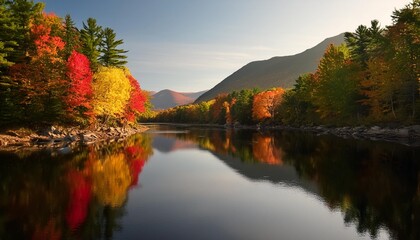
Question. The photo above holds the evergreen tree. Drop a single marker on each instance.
(111, 55)
(364, 42)
(6, 46)
(91, 36)
(18, 34)
(71, 36)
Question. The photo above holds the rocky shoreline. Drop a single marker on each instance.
(407, 135)
(64, 138)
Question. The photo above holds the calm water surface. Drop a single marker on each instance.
(179, 183)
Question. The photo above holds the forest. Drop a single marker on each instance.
(53, 72)
(371, 79)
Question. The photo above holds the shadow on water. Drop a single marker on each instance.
(83, 195)
(375, 185)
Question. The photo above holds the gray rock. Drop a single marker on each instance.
(415, 128)
(402, 132)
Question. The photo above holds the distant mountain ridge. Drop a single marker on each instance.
(274, 72)
(167, 98)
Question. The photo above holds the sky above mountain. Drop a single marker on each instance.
(191, 45)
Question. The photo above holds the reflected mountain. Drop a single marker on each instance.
(167, 144)
(84, 195)
(375, 185)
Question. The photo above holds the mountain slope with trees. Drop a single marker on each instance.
(274, 72)
(371, 79)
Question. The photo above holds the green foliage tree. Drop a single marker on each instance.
(91, 36)
(364, 42)
(336, 93)
(298, 106)
(241, 102)
(71, 36)
(6, 44)
(111, 55)
(18, 34)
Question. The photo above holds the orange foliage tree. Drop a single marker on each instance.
(265, 103)
(217, 110)
(41, 80)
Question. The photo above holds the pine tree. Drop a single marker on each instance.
(111, 55)
(91, 36)
(22, 12)
(71, 36)
(6, 46)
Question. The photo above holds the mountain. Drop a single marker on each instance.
(274, 72)
(167, 98)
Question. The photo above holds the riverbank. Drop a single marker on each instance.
(406, 135)
(60, 137)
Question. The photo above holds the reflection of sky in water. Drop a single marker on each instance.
(214, 184)
(191, 194)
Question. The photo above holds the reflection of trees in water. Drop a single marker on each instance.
(375, 185)
(247, 145)
(80, 196)
(111, 179)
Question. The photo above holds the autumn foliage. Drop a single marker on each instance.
(137, 99)
(79, 99)
(264, 104)
(43, 78)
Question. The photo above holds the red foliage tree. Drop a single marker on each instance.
(80, 91)
(137, 100)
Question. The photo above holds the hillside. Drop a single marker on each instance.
(167, 98)
(274, 72)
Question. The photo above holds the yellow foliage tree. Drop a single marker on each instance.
(111, 180)
(111, 91)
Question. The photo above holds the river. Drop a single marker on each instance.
(210, 183)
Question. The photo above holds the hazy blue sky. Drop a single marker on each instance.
(191, 45)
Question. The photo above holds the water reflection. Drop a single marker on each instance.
(375, 185)
(79, 196)
(84, 195)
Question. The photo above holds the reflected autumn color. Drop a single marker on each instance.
(248, 146)
(375, 185)
(265, 151)
(80, 191)
(79, 196)
(111, 179)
